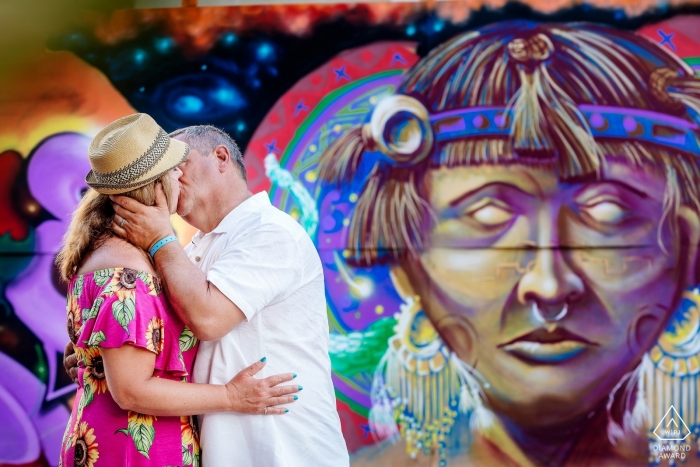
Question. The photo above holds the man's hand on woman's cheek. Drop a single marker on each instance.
(139, 224)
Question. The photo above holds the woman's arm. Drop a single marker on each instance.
(129, 373)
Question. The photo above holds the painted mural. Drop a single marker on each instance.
(505, 203)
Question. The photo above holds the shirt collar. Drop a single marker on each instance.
(237, 214)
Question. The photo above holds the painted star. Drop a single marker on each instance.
(366, 429)
(667, 39)
(300, 107)
(271, 147)
(397, 58)
(340, 74)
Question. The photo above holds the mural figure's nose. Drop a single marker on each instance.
(549, 284)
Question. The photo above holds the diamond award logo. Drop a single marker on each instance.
(671, 427)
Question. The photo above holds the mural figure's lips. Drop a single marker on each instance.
(543, 346)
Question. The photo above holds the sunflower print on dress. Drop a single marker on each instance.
(94, 374)
(73, 318)
(141, 431)
(153, 283)
(84, 446)
(190, 441)
(155, 338)
(120, 307)
(123, 285)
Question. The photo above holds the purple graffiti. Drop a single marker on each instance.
(56, 177)
(26, 428)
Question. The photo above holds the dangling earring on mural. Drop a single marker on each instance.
(668, 376)
(462, 340)
(627, 408)
(635, 411)
(422, 385)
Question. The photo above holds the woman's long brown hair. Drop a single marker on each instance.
(91, 221)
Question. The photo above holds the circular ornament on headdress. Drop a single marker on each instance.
(400, 128)
(659, 82)
(541, 47)
(517, 48)
(538, 47)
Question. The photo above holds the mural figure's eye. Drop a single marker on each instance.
(490, 212)
(605, 210)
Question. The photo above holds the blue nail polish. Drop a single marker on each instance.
(295, 397)
(300, 387)
(263, 359)
(294, 375)
(286, 410)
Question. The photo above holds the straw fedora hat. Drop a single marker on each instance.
(131, 152)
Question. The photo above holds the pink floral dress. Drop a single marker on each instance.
(108, 309)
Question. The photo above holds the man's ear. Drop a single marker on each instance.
(689, 222)
(411, 280)
(223, 158)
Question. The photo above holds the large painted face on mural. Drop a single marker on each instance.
(533, 188)
(508, 221)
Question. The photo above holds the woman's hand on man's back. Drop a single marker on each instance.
(261, 396)
(70, 362)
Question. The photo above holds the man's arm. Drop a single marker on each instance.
(144, 393)
(129, 373)
(199, 303)
(201, 306)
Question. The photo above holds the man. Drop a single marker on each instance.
(249, 284)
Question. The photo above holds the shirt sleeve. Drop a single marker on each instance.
(131, 309)
(257, 269)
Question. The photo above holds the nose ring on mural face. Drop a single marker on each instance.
(549, 322)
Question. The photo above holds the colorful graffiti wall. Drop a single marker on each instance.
(505, 198)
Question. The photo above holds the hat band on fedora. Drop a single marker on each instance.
(127, 186)
(139, 167)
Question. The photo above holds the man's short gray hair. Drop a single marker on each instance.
(204, 138)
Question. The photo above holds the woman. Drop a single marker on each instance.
(134, 354)
(535, 187)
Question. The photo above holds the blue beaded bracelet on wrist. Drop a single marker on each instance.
(160, 243)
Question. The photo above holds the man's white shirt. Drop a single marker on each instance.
(266, 264)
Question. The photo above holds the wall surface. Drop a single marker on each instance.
(505, 203)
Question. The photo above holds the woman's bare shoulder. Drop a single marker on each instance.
(116, 253)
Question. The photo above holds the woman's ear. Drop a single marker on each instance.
(689, 223)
